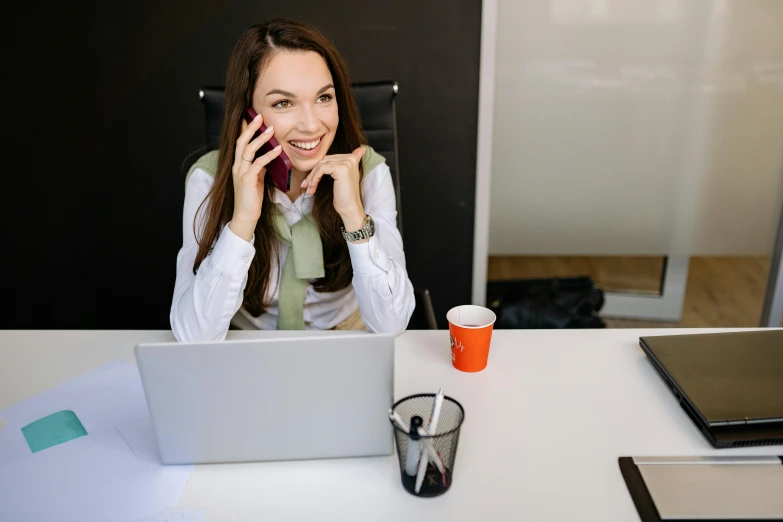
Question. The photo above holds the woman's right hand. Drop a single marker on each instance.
(249, 178)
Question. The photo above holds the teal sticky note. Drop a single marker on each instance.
(52, 430)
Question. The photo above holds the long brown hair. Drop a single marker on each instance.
(250, 55)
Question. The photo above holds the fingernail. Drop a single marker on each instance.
(258, 117)
(278, 147)
(268, 129)
(303, 184)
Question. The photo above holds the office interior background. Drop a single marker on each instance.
(639, 142)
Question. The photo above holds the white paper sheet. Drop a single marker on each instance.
(175, 515)
(140, 436)
(92, 478)
(112, 474)
(100, 398)
(12, 444)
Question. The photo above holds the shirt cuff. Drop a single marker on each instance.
(232, 254)
(368, 258)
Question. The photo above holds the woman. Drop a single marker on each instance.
(282, 260)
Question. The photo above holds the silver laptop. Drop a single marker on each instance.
(279, 398)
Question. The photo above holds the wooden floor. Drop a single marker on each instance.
(721, 291)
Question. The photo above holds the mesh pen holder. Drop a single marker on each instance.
(438, 450)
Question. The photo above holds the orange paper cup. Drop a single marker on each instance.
(470, 328)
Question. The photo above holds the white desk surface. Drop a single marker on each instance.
(544, 425)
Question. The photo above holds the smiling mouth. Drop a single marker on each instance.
(306, 145)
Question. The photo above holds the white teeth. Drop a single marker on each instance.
(306, 145)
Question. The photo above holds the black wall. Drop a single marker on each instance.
(101, 106)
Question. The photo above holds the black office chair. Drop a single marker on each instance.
(375, 101)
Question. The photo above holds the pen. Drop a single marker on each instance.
(434, 456)
(431, 430)
(394, 416)
(413, 455)
(436, 407)
(422, 471)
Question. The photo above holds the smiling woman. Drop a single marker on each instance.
(325, 255)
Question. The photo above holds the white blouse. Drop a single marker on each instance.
(205, 303)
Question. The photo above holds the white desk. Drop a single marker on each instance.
(544, 425)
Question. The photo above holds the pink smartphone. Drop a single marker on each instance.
(280, 167)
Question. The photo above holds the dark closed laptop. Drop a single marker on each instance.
(730, 384)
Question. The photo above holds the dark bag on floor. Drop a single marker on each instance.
(571, 302)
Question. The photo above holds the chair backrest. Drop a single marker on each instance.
(375, 101)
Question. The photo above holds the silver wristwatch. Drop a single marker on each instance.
(366, 232)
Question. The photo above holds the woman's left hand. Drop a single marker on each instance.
(344, 169)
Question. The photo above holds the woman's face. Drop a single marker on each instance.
(295, 95)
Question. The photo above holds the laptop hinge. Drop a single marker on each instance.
(746, 422)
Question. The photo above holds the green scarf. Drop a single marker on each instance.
(305, 259)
